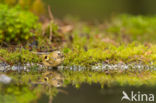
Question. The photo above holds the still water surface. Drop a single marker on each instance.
(95, 94)
(67, 86)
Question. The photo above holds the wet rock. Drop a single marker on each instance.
(5, 79)
(17, 68)
(4, 67)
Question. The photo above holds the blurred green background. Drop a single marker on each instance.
(99, 9)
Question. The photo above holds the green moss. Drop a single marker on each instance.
(19, 56)
(139, 28)
(134, 52)
(125, 39)
(17, 25)
(112, 79)
(89, 45)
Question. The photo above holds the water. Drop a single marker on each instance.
(73, 85)
(88, 94)
(95, 94)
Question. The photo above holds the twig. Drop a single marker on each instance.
(52, 20)
(51, 32)
(50, 13)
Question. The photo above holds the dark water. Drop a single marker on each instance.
(88, 94)
(71, 87)
(95, 94)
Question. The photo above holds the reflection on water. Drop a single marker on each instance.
(89, 94)
(69, 86)
(53, 78)
(29, 87)
(95, 94)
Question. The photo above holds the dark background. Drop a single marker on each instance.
(95, 94)
(100, 9)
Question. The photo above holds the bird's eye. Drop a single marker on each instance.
(46, 78)
(46, 58)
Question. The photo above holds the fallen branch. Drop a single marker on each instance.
(50, 13)
(52, 20)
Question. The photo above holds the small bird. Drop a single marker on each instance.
(52, 78)
(52, 59)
